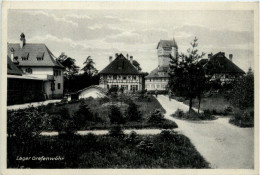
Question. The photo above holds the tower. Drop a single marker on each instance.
(166, 48)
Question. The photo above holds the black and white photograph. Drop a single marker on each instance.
(128, 85)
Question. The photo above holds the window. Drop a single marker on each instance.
(40, 56)
(114, 77)
(134, 88)
(25, 56)
(58, 85)
(107, 86)
(125, 87)
(134, 77)
(57, 72)
(124, 77)
(114, 86)
(28, 70)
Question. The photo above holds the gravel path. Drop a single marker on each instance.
(103, 132)
(223, 145)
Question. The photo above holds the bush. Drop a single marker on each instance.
(132, 137)
(167, 134)
(243, 118)
(193, 115)
(132, 112)
(116, 131)
(115, 115)
(27, 123)
(156, 116)
(146, 146)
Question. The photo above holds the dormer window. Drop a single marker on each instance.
(25, 56)
(40, 56)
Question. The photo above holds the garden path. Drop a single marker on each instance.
(35, 104)
(103, 132)
(222, 144)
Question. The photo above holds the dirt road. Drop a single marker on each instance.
(223, 145)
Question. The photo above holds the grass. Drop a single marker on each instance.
(101, 108)
(91, 151)
(217, 104)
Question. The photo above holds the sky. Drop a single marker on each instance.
(102, 33)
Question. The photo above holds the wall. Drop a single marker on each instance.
(108, 80)
(158, 83)
(58, 93)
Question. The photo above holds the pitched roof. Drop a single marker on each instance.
(120, 65)
(167, 43)
(32, 51)
(221, 64)
(12, 69)
(161, 72)
(203, 61)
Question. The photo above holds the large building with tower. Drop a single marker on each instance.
(159, 77)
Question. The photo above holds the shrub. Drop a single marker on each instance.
(228, 110)
(27, 123)
(146, 146)
(115, 115)
(156, 116)
(116, 131)
(193, 115)
(243, 118)
(132, 112)
(104, 100)
(179, 113)
(132, 137)
(167, 134)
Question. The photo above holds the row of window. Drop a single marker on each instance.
(157, 79)
(125, 87)
(123, 77)
(153, 86)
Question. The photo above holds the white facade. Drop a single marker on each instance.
(128, 82)
(91, 92)
(48, 73)
(152, 84)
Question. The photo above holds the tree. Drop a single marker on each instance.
(89, 67)
(115, 115)
(71, 69)
(187, 78)
(242, 93)
(132, 112)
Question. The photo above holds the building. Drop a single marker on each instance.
(22, 88)
(221, 68)
(121, 73)
(38, 61)
(159, 77)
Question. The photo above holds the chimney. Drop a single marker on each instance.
(116, 55)
(12, 54)
(230, 57)
(131, 59)
(110, 59)
(223, 53)
(22, 40)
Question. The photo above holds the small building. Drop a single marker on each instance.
(159, 77)
(92, 91)
(221, 68)
(22, 88)
(38, 61)
(121, 73)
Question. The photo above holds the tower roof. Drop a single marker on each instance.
(167, 43)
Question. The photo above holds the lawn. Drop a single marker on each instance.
(101, 107)
(217, 104)
(158, 151)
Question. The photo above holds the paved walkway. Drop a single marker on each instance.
(223, 145)
(35, 104)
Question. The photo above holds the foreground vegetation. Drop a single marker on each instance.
(192, 115)
(165, 150)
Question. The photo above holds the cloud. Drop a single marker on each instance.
(78, 16)
(49, 15)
